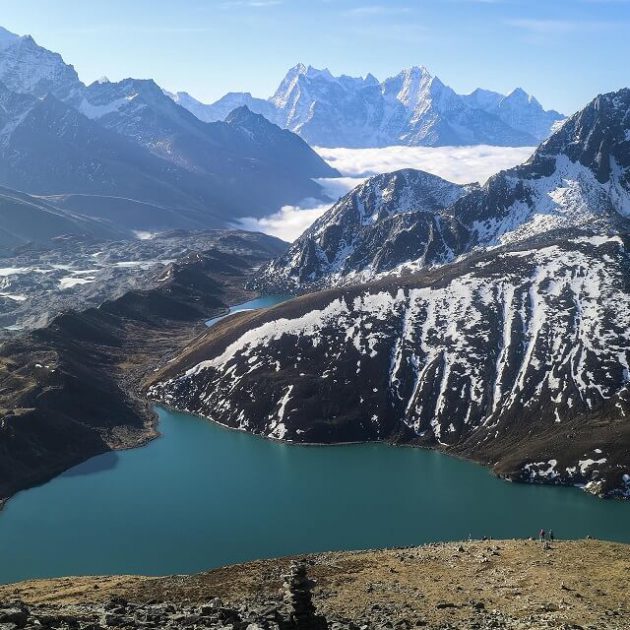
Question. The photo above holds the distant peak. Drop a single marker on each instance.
(103, 79)
(520, 94)
(242, 115)
(415, 71)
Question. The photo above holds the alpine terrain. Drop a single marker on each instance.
(411, 108)
(493, 326)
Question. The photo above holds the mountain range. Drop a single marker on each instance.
(412, 108)
(493, 324)
(126, 153)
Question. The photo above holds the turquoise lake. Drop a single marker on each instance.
(202, 496)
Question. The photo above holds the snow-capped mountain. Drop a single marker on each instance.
(224, 106)
(411, 108)
(515, 353)
(385, 222)
(127, 152)
(578, 178)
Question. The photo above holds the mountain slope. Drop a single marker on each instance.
(25, 219)
(411, 108)
(69, 390)
(497, 359)
(514, 354)
(28, 68)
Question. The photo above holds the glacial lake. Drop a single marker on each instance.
(202, 496)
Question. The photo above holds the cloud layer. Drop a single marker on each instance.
(462, 165)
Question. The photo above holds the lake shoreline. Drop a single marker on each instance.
(505, 478)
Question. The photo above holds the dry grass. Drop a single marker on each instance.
(579, 582)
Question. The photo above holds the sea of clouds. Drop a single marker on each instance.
(462, 165)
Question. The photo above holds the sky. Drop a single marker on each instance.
(562, 51)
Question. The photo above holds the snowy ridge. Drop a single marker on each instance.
(27, 68)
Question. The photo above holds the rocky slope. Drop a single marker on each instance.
(578, 178)
(509, 585)
(411, 108)
(68, 391)
(127, 153)
(514, 354)
(517, 359)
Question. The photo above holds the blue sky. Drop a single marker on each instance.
(562, 51)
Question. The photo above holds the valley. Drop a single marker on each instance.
(363, 313)
(38, 283)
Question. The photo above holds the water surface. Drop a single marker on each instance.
(202, 496)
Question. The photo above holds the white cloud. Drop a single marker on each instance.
(462, 165)
(288, 223)
(457, 164)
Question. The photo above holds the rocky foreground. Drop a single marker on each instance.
(472, 585)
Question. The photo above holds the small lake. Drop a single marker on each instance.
(202, 496)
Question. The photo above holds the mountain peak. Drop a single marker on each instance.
(313, 73)
(519, 95)
(596, 137)
(243, 115)
(417, 71)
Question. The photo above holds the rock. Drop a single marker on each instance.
(443, 605)
(17, 615)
